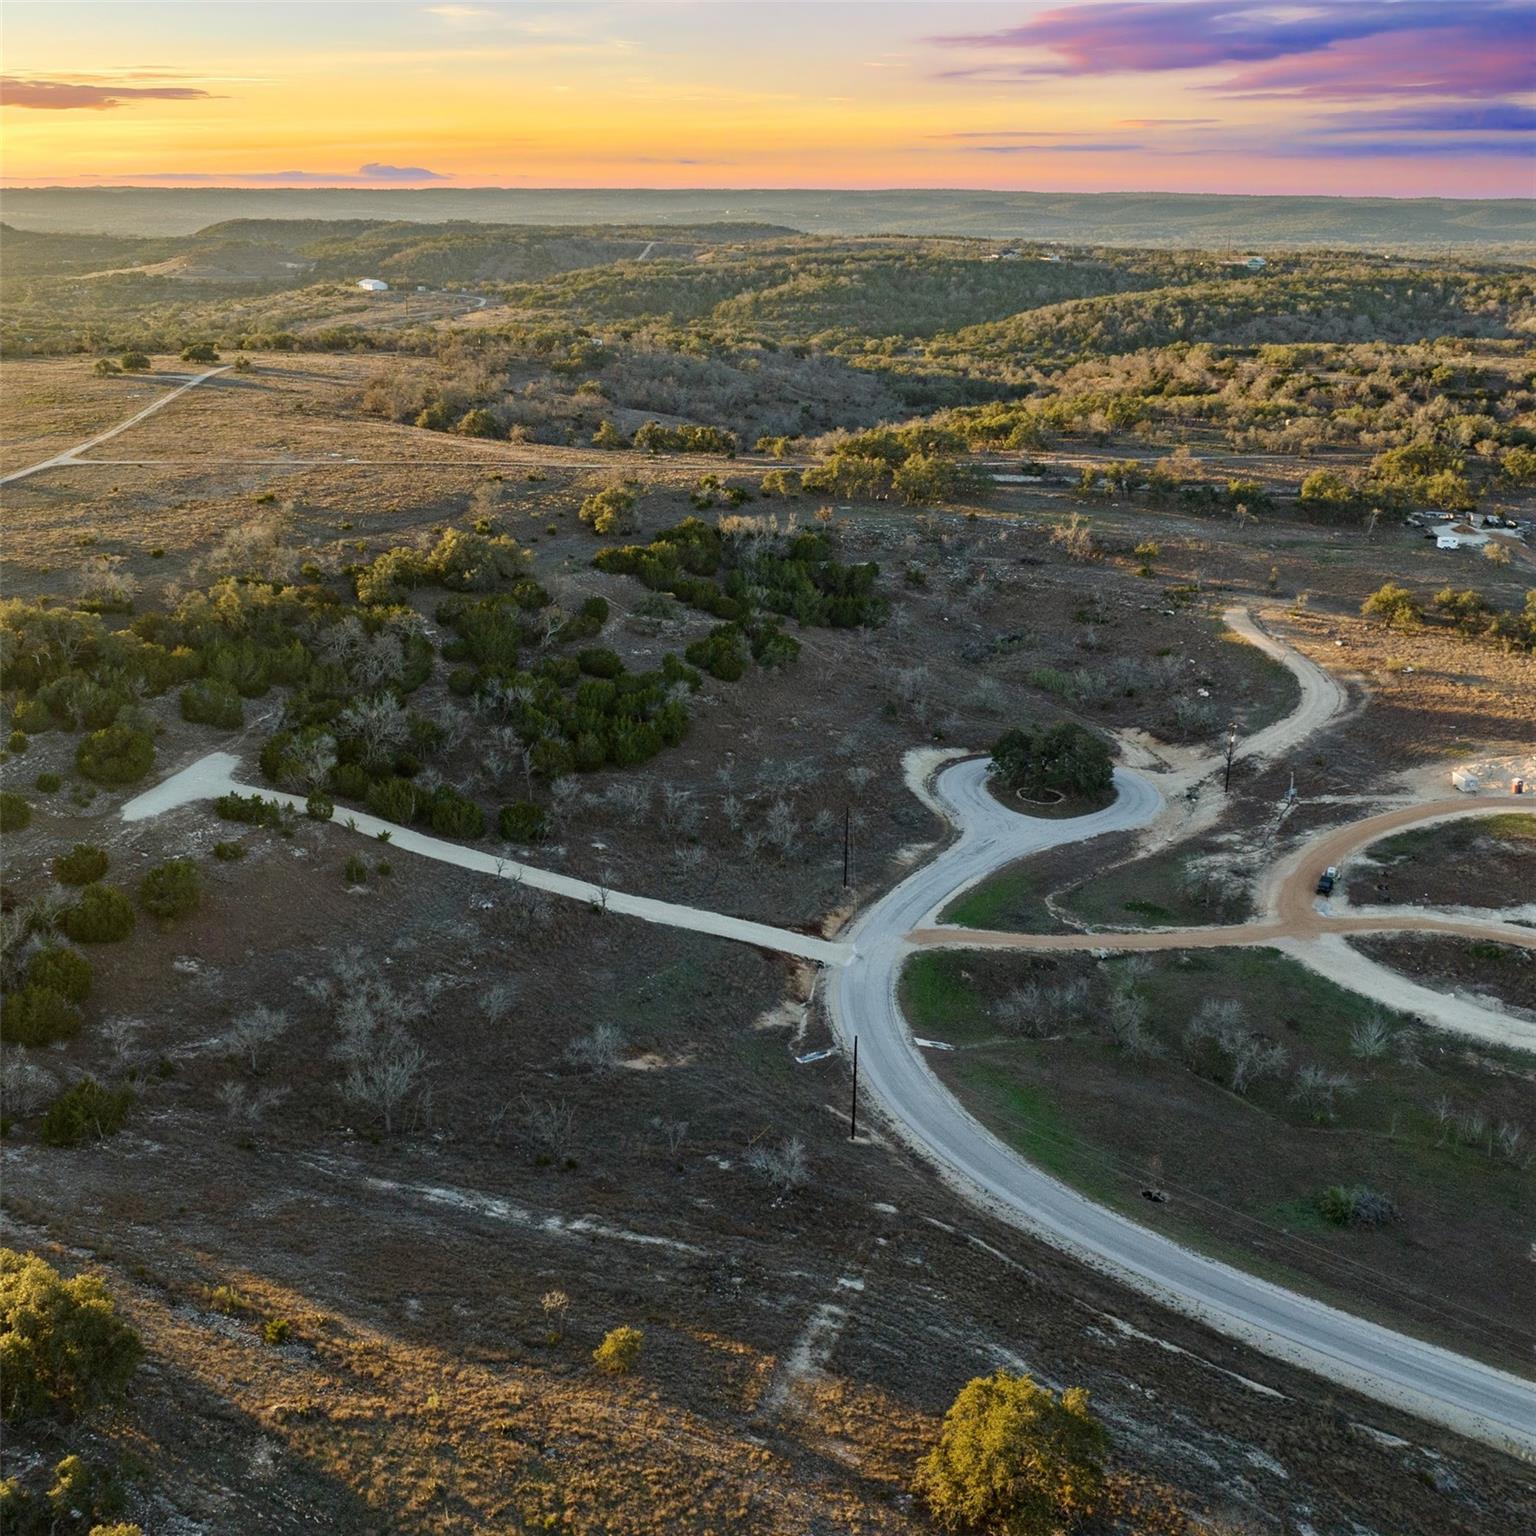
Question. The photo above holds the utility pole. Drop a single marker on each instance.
(847, 842)
(853, 1102)
(1226, 787)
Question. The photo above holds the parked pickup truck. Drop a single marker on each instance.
(1327, 880)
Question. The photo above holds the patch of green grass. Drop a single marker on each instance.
(1245, 1171)
(940, 998)
(1299, 1215)
(1151, 893)
(1031, 1122)
(1010, 899)
(1266, 690)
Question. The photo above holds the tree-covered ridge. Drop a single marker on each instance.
(886, 288)
(1363, 304)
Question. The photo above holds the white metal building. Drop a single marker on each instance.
(374, 285)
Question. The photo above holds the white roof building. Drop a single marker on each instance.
(373, 285)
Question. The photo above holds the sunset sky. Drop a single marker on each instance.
(1392, 97)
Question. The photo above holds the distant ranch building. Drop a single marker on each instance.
(373, 285)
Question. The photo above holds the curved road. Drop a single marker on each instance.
(864, 966)
(1463, 1394)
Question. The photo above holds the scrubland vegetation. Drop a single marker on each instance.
(710, 541)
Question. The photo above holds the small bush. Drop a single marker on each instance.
(276, 1330)
(38, 1016)
(354, 871)
(15, 813)
(119, 754)
(63, 1348)
(319, 807)
(31, 716)
(619, 1352)
(351, 780)
(84, 864)
(610, 511)
(199, 352)
(599, 661)
(171, 890)
(86, 1112)
(252, 810)
(16, 742)
(1355, 1206)
(455, 816)
(1013, 1457)
(523, 822)
(63, 969)
(103, 915)
(212, 701)
(48, 783)
(228, 853)
(230, 1302)
(394, 800)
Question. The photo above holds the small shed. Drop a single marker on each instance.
(373, 285)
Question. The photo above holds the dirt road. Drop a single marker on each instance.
(1293, 917)
(72, 455)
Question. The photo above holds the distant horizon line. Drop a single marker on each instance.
(951, 191)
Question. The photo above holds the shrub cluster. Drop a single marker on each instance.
(171, 890)
(212, 701)
(84, 864)
(102, 915)
(15, 812)
(63, 1348)
(653, 437)
(793, 575)
(116, 754)
(460, 561)
(85, 1112)
(38, 1015)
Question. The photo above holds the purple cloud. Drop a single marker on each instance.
(373, 171)
(73, 95)
(1396, 149)
(1495, 117)
(1367, 47)
(1095, 148)
(1010, 133)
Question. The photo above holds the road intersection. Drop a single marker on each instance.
(863, 965)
